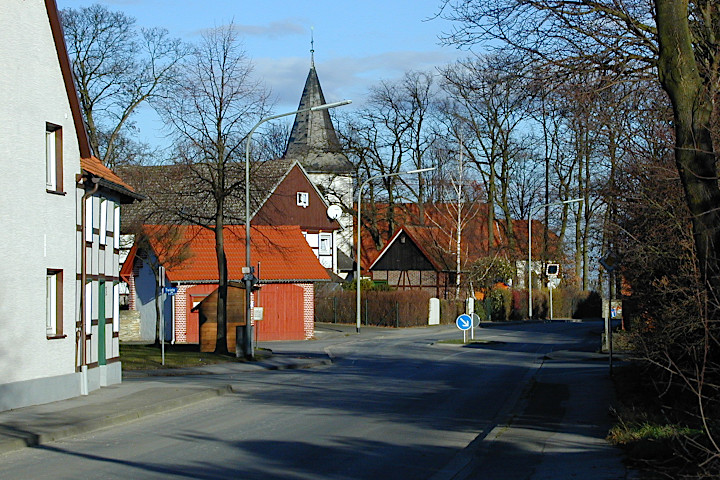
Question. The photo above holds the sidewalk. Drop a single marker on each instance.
(556, 429)
(141, 393)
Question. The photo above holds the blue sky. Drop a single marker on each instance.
(357, 43)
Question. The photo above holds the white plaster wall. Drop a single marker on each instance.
(341, 193)
(38, 228)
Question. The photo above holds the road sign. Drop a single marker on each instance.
(552, 269)
(610, 261)
(170, 290)
(464, 322)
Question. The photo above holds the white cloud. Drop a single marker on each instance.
(343, 77)
(272, 30)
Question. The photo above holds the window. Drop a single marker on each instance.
(103, 221)
(116, 226)
(325, 247)
(116, 307)
(53, 158)
(53, 303)
(303, 199)
(88, 308)
(89, 205)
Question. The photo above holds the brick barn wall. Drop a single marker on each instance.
(181, 299)
(132, 291)
(308, 309)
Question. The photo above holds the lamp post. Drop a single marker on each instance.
(357, 257)
(247, 270)
(532, 212)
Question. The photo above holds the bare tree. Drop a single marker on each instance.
(490, 105)
(211, 108)
(117, 67)
(676, 42)
(460, 207)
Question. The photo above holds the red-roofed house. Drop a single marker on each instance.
(60, 226)
(285, 264)
(424, 256)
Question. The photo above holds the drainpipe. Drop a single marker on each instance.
(83, 278)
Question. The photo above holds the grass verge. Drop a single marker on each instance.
(149, 357)
(460, 341)
(649, 437)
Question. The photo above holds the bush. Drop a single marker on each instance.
(450, 310)
(519, 305)
(403, 308)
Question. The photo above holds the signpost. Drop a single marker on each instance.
(464, 322)
(470, 309)
(609, 263)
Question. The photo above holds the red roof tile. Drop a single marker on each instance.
(282, 251)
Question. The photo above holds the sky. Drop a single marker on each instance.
(357, 43)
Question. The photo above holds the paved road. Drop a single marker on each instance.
(396, 404)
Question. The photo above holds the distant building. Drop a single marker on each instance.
(422, 254)
(287, 268)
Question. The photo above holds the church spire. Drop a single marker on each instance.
(313, 140)
(312, 47)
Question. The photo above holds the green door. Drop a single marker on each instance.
(101, 323)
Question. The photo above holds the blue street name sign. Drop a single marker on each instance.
(170, 290)
(464, 322)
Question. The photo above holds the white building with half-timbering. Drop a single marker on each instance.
(58, 314)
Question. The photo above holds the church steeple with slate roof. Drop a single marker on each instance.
(314, 144)
(313, 140)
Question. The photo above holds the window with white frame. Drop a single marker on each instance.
(325, 246)
(53, 303)
(53, 158)
(89, 203)
(303, 199)
(116, 227)
(116, 307)
(88, 307)
(103, 221)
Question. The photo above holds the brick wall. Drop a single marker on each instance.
(132, 292)
(181, 299)
(129, 326)
(309, 309)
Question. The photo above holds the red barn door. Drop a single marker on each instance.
(283, 312)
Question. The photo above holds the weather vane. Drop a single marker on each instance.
(312, 46)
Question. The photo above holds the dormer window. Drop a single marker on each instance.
(303, 199)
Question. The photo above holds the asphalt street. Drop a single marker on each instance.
(530, 401)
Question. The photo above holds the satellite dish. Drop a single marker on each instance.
(334, 212)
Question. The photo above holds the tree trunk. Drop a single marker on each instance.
(692, 112)
(491, 209)
(221, 342)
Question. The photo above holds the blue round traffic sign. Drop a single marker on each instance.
(464, 322)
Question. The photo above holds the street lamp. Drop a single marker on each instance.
(532, 212)
(357, 258)
(247, 270)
